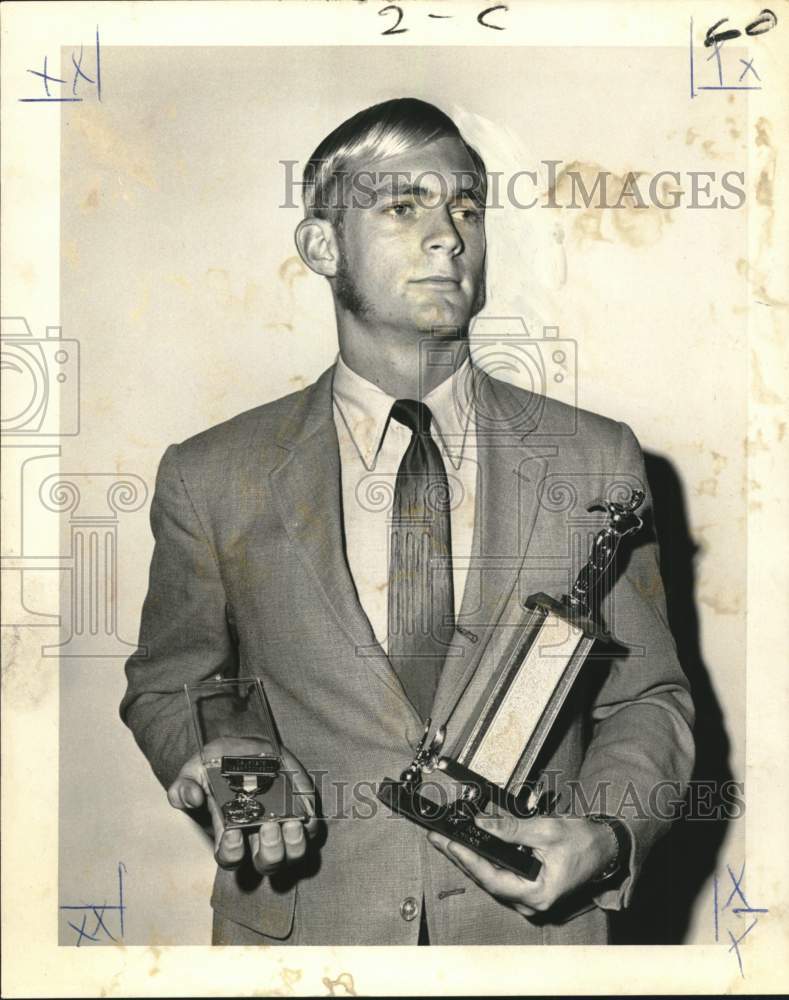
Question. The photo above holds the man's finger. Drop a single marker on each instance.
(294, 837)
(458, 854)
(268, 847)
(438, 840)
(185, 793)
(190, 788)
(537, 831)
(303, 788)
(230, 849)
(229, 845)
(442, 844)
(491, 809)
(506, 885)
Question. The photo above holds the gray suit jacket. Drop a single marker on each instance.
(249, 576)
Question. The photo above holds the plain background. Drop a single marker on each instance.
(181, 282)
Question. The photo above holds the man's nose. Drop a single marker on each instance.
(441, 233)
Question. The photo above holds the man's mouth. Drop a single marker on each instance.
(437, 279)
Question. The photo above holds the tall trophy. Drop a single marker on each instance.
(492, 759)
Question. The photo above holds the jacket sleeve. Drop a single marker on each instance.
(641, 750)
(184, 632)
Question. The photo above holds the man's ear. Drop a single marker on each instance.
(316, 241)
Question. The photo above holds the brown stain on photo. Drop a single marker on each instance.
(111, 989)
(762, 392)
(626, 215)
(708, 146)
(288, 273)
(26, 679)
(289, 978)
(291, 269)
(108, 148)
(155, 954)
(764, 189)
(69, 251)
(757, 279)
(342, 986)
(707, 487)
(92, 200)
(764, 184)
(753, 445)
(762, 132)
(719, 462)
(747, 490)
(720, 604)
(220, 283)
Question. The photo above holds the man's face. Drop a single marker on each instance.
(412, 256)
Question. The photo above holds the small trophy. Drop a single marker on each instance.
(247, 787)
(492, 759)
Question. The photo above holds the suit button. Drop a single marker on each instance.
(409, 908)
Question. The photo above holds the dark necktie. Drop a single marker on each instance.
(421, 598)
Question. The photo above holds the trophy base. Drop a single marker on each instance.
(456, 821)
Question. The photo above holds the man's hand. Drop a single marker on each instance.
(573, 851)
(275, 844)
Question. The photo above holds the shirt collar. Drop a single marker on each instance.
(365, 411)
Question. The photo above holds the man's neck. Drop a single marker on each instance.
(404, 374)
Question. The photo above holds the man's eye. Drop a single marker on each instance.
(400, 209)
(468, 214)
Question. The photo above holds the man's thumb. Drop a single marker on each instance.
(185, 794)
(503, 827)
(531, 832)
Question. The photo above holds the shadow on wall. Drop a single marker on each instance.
(681, 863)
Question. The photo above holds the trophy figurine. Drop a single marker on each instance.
(248, 788)
(492, 759)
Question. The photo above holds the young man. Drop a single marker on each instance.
(285, 549)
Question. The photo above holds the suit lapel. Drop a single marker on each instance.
(307, 489)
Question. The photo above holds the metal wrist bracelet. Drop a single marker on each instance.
(622, 840)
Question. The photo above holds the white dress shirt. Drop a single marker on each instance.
(371, 449)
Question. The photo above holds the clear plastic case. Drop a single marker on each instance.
(241, 752)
